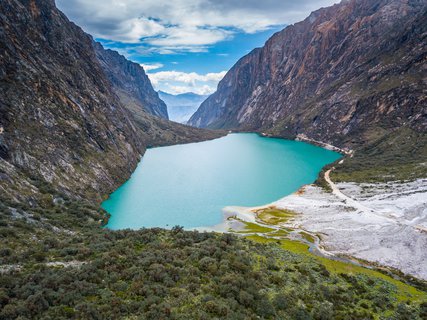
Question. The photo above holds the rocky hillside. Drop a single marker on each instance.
(63, 129)
(130, 82)
(68, 137)
(348, 75)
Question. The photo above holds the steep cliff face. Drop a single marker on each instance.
(60, 120)
(130, 82)
(345, 75)
(62, 127)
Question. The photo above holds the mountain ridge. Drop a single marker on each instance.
(264, 74)
(348, 75)
(130, 82)
(63, 127)
(185, 94)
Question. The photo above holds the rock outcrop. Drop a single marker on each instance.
(130, 82)
(346, 75)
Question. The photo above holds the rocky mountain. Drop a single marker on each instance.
(69, 122)
(349, 75)
(182, 106)
(130, 82)
(71, 131)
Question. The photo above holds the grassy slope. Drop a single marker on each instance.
(405, 292)
(263, 234)
(399, 155)
(161, 132)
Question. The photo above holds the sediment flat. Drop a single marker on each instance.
(383, 223)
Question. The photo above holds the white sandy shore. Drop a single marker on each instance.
(385, 223)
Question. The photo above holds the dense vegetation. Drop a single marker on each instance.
(61, 120)
(58, 263)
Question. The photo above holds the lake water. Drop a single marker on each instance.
(188, 185)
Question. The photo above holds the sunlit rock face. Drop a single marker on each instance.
(338, 75)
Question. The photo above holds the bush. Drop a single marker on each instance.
(160, 274)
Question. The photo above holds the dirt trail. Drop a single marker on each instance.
(362, 209)
(342, 196)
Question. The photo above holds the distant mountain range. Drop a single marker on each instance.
(181, 106)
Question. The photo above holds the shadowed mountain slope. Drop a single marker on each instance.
(62, 125)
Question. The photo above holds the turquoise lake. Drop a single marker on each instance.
(188, 185)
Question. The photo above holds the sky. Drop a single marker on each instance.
(186, 45)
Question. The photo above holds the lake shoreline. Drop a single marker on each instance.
(365, 221)
(385, 259)
(245, 213)
(209, 166)
(309, 200)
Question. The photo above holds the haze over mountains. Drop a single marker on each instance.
(182, 106)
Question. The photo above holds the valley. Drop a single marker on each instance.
(188, 185)
(182, 106)
(297, 190)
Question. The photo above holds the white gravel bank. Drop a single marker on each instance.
(384, 223)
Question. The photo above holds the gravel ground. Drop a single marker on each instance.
(383, 223)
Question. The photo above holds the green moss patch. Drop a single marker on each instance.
(307, 237)
(254, 228)
(274, 216)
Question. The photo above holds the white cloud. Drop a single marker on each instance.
(189, 36)
(177, 82)
(149, 67)
(202, 90)
(185, 77)
(132, 30)
(137, 28)
(183, 24)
